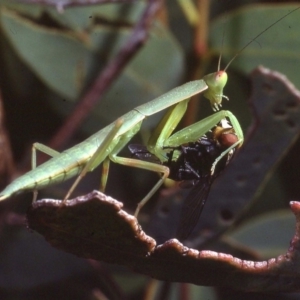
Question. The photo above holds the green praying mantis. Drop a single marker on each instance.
(105, 145)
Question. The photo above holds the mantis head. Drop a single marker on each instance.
(215, 82)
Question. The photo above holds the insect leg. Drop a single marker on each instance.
(236, 125)
(239, 133)
(105, 171)
(195, 131)
(44, 149)
(165, 128)
(155, 146)
(98, 156)
(223, 154)
(136, 163)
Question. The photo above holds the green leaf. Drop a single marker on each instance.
(55, 56)
(269, 234)
(80, 17)
(277, 48)
(68, 61)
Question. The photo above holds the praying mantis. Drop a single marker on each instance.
(105, 145)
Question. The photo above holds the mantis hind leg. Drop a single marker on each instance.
(104, 177)
(44, 149)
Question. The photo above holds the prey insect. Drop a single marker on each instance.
(197, 163)
(105, 145)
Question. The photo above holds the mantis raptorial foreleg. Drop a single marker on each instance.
(198, 129)
(238, 143)
(193, 132)
(237, 128)
(165, 128)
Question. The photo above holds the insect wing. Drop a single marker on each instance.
(141, 152)
(193, 206)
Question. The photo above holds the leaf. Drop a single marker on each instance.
(79, 18)
(68, 61)
(54, 55)
(277, 48)
(268, 234)
(82, 17)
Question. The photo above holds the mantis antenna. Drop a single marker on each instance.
(221, 52)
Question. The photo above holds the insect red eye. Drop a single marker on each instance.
(227, 140)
